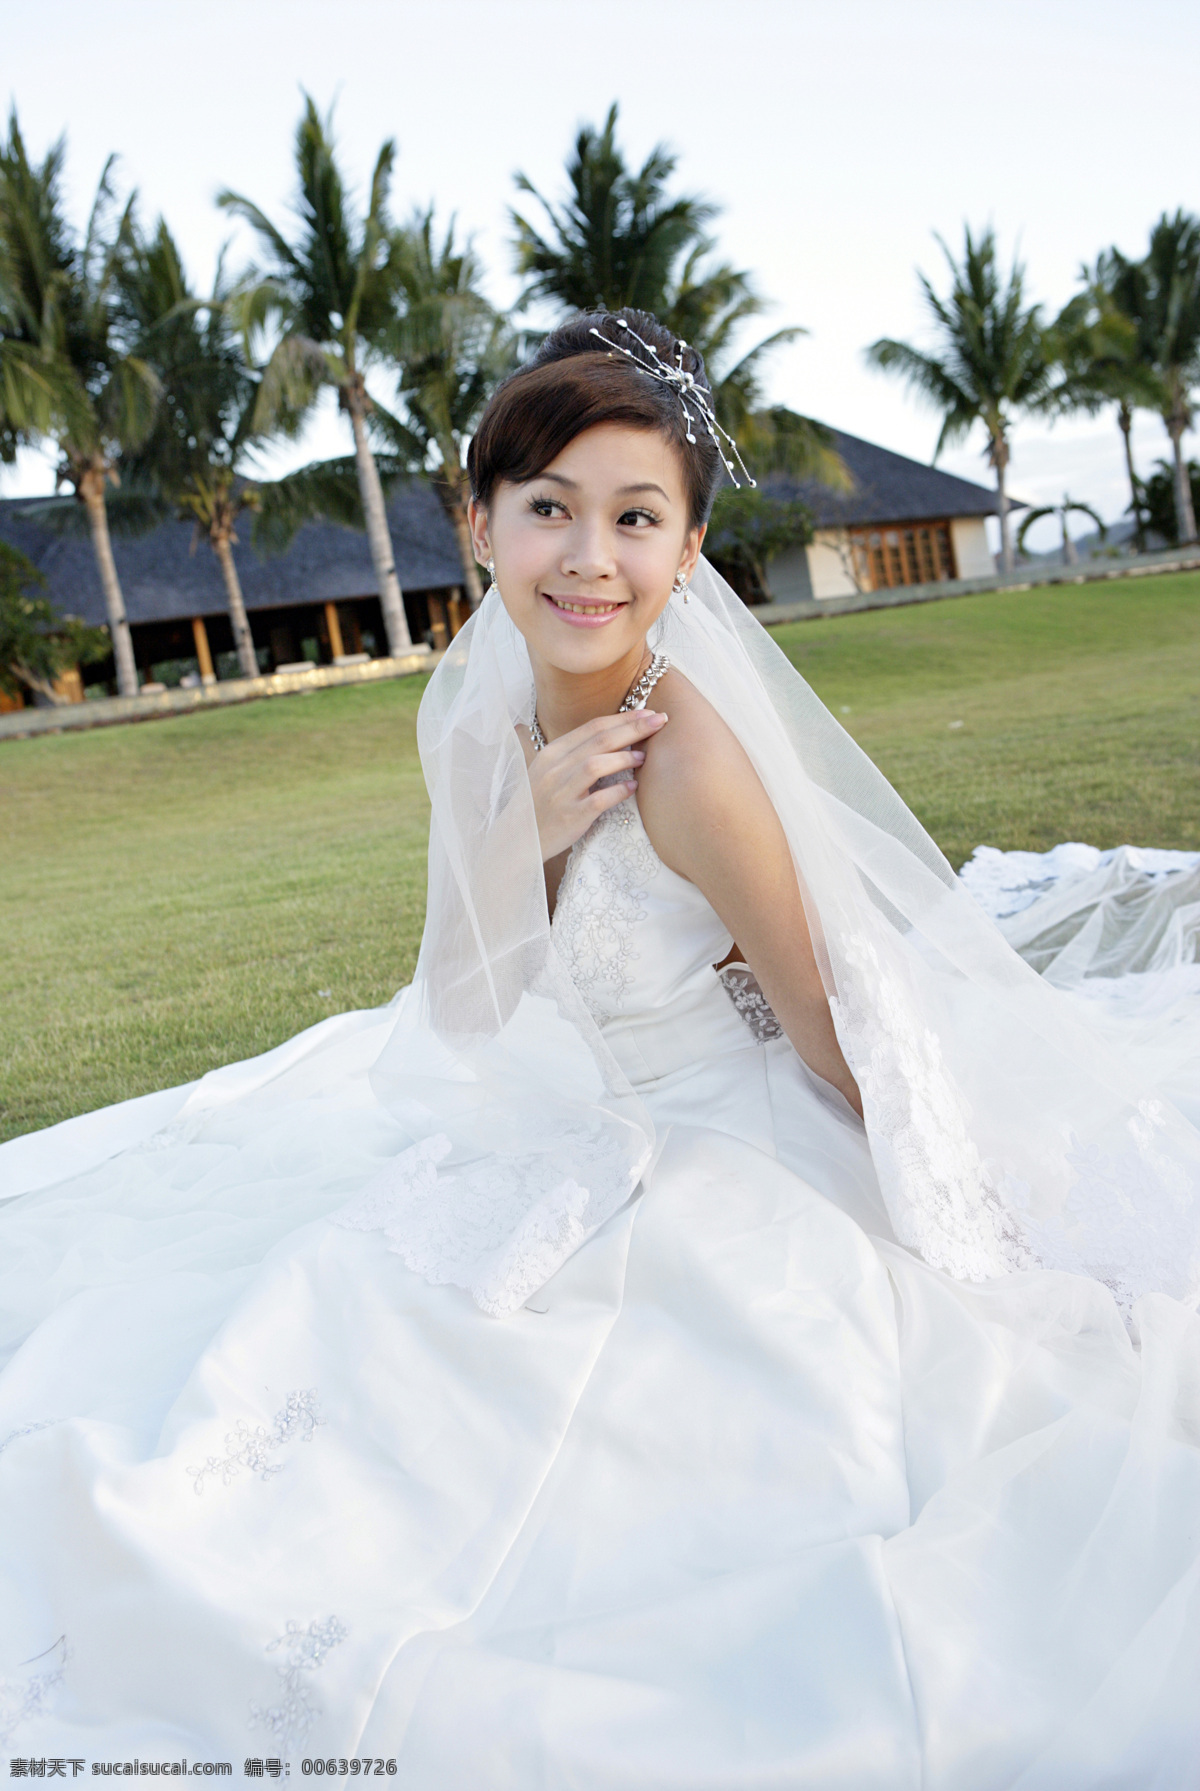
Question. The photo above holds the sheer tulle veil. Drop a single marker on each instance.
(1006, 1133)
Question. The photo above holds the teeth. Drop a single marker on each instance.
(585, 609)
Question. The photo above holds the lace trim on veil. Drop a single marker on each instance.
(942, 1200)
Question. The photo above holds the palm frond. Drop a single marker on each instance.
(66, 374)
(272, 239)
(293, 376)
(617, 237)
(778, 440)
(1031, 519)
(933, 380)
(130, 401)
(993, 355)
(133, 508)
(325, 490)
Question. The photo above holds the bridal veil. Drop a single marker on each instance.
(1006, 1131)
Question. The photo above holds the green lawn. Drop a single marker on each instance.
(1080, 710)
(182, 894)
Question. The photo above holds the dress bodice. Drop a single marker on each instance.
(641, 944)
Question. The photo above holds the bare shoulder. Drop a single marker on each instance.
(698, 781)
(696, 741)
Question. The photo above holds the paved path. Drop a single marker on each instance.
(1026, 578)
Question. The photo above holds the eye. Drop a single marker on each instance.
(545, 506)
(633, 519)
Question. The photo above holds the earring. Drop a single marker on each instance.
(681, 587)
(491, 567)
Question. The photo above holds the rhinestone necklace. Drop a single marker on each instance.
(635, 697)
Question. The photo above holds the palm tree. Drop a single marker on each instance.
(328, 292)
(993, 358)
(198, 459)
(67, 375)
(1102, 360)
(204, 426)
(452, 348)
(1164, 295)
(619, 237)
(1158, 498)
(622, 240)
(1062, 511)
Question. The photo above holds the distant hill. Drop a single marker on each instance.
(1119, 540)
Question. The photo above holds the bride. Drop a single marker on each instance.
(729, 1322)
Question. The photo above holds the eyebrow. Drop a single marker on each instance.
(622, 490)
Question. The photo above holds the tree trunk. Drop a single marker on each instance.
(1000, 462)
(378, 536)
(1125, 424)
(1070, 557)
(243, 640)
(38, 685)
(91, 490)
(466, 553)
(453, 490)
(1185, 515)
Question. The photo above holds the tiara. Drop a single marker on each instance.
(692, 396)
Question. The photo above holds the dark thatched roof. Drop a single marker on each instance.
(888, 488)
(168, 574)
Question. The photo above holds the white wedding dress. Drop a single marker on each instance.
(745, 1495)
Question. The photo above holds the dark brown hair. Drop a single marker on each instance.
(573, 383)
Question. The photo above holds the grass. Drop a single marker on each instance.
(186, 893)
(1079, 709)
(181, 894)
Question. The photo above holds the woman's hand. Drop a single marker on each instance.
(564, 776)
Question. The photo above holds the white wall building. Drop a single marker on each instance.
(902, 523)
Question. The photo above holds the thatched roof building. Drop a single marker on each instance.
(316, 601)
(901, 523)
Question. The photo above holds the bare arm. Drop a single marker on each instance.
(711, 821)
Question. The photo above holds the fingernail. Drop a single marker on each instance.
(639, 758)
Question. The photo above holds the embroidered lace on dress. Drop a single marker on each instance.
(742, 987)
(306, 1650)
(942, 1200)
(26, 1430)
(252, 1449)
(499, 1226)
(27, 1696)
(601, 898)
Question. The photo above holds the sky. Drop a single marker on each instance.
(837, 138)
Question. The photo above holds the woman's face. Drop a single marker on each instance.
(587, 552)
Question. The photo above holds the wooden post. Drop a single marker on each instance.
(438, 626)
(458, 610)
(68, 686)
(332, 622)
(203, 655)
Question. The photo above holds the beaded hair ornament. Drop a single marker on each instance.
(692, 395)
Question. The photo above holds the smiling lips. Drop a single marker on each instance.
(584, 612)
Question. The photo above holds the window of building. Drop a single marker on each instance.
(919, 553)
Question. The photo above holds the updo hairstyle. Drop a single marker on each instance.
(573, 383)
